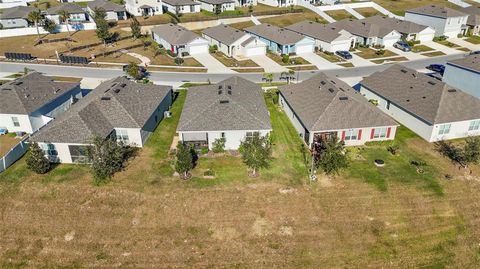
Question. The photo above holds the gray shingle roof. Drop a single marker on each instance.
(70, 7)
(324, 32)
(174, 34)
(17, 12)
(180, 2)
(208, 108)
(362, 28)
(404, 27)
(105, 5)
(276, 34)
(116, 103)
(29, 93)
(436, 11)
(426, 98)
(473, 15)
(216, 2)
(224, 34)
(471, 62)
(325, 103)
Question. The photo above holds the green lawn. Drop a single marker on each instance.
(433, 54)
(398, 168)
(368, 53)
(421, 48)
(447, 43)
(473, 39)
(330, 57)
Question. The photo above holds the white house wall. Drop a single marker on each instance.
(82, 17)
(293, 118)
(450, 27)
(458, 129)
(463, 79)
(132, 6)
(276, 3)
(24, 122)
(233, 138)
(14, 23)
(182, 9)
(211, 8)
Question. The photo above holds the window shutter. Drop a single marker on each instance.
(388, 131)
(343, 135)
(360, 134)
(372, 133)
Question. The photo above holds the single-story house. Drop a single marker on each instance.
(445, 21)
(214, 5)
(233, 42)
(245, 3)
(16, 17)
(473, 21)
(117, 109)
(144, 7)
(31, 101)
(278, 3)
(322, 107)
(409, 30)
(370, 34)
(233, 109)
(179, 40)
(432, 109)
(76, 13)
(180, 6)
(115, 12)
(280, 40)
(327, 37)
(464, 74)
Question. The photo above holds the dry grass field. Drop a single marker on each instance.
(366, 217)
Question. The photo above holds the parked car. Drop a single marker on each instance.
(440, 68)
(475, 52)
(403, 46)
(344, 54)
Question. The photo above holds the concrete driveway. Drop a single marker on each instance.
(318, 61)
(212, 64)
(358, 61)
(442, 48)
(268, 64)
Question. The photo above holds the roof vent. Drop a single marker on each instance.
(229, 92)
(404, 71)
(224, 102)
(229, 87)
(333, 82)
(323, 82)
(116, 90)
(432, 83)
(219, 92)
(56, 91)
(105, 98)
(6, 89)
(220, 87)
(330, 90)
(408, 100)
(424, 97)
(123, 85)
(452, 90)
(343, 98)
(414, 75)
(18, 83)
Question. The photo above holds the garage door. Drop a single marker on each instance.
(198, 49)
(388, 42)
(255, 51)
(303, 48)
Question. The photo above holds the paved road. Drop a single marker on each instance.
(175, 77)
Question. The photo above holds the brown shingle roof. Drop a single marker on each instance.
(471, 62)
(473, 15)
(17, 12)
(174, 34)
(324, 32)
(224, 34)
(428, 99)
(362, 28)
(404, 27)
(325, 103)
(279, 35)
(436, 11)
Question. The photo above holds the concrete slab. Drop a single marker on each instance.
(358, 61)
(318, 61)
(268, 64)
(212, 64)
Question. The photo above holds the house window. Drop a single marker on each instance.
(222, 135)
(79, 154)
(380, 133)
(444, 129)
(387, 105)
(250, 135)
(122, 136)
(474, 125)
(351, 135)
(49, 149)
(15, 121)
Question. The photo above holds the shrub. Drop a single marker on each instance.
(204, 150)
(36, 160)
(107, 158)
(171, 53)
(179, 61)
(209, 173)
(380, 52)
(218, 146)
(184, 161)
(285, 58)
(440, 38)
(393, 149)
(373, 101)
(213, 49)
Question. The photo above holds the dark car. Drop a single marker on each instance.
(403, 46)
(440, 68)
(475, 52)
(344, 54)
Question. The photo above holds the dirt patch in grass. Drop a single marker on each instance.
(174, 69)
(395, 59)
(398, 7)
(303, 67)
(242, 25)
(368, 53)
(67, 79)
(163, 58)
(294, 60)
(448, 44)
(464, 49)
(433, 54)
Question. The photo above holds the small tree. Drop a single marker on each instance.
(156, 49)
(35, 16)
(288, 75)
(256, 152)
(102, 25)
(65, 17)
(250, 8)
(107, 157)
(49, 25)
(218, 146)
(133, 70)
(178, 61)
(471, 150)
(184, 161)
(329, 155)
(213, 49)
(135, 27)
(285, 58)
(267, 77)
(36, 160)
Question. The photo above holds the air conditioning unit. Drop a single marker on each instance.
(167, 114)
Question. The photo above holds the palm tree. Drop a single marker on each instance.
(65, 17)
(288, 75)
(35, 16)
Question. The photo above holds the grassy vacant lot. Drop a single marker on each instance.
(340, 14)
(368, 53)
(368, 12)
(399, 6)
(288, 19)
(366, 217)
(163, 58)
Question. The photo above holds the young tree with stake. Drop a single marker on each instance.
(256, 152)
(184, 161)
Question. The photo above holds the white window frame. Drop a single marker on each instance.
(49, 149)
(250, 135)
(444, 129)
(351, 135)
(15, 121)
(121, 135)
(474, 125)
(380, 133)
